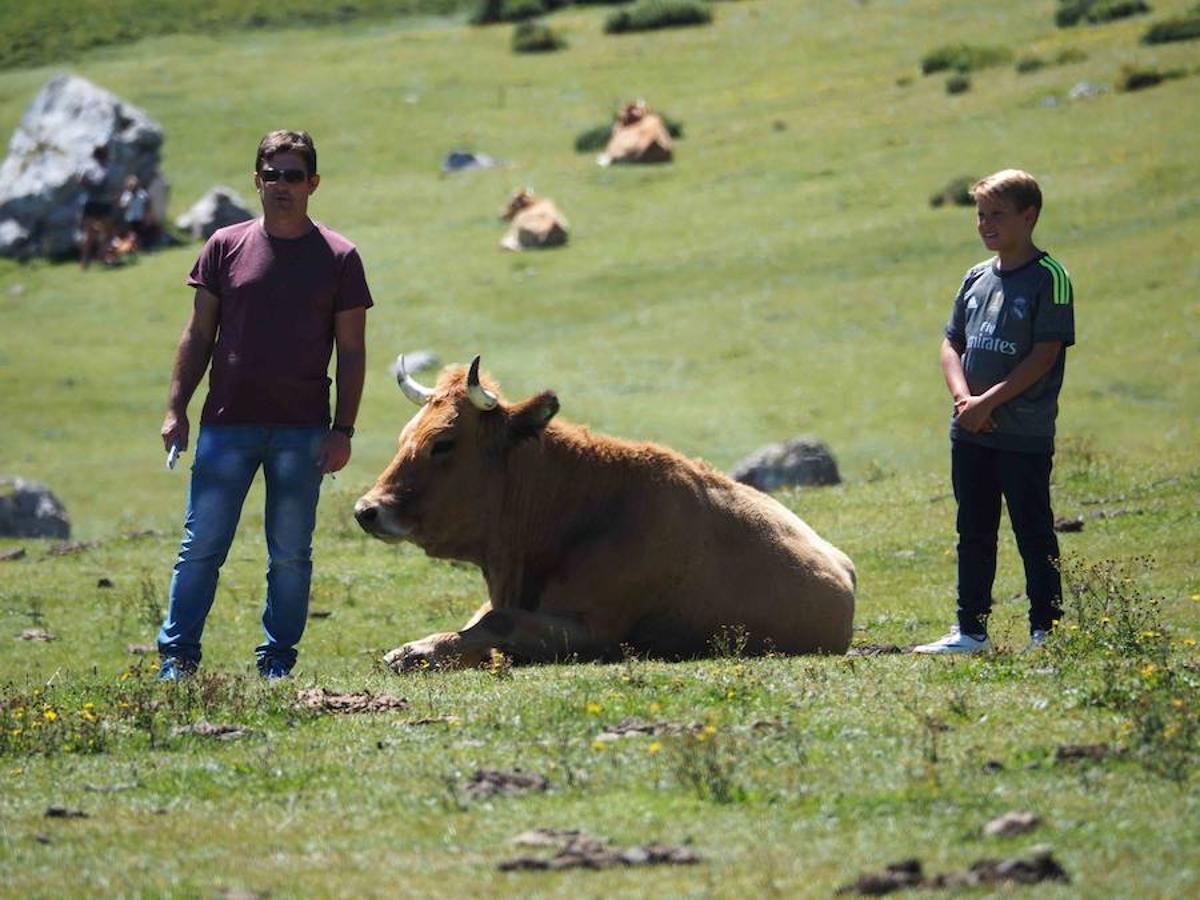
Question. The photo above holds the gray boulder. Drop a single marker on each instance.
(30, 510)
(221, 206)
(802, 461)
(73, 134)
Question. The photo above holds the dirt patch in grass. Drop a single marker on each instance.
(321, 700)
(1074, 752)
(63, 812)
(874, 650)
(490, 782)
(213, 730)
(632, 726)
(1015, 822)
(1040, 865)
(70, 548)
(36, 634)
(579, 850)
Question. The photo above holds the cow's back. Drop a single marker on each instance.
(688, 553)
(764, 568)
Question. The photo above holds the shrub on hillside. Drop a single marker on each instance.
(956, 192)
(1031, 62)
(958, 83)
(963, 58)
(648, 15)
(1137, 78)
(1179, 28)
(1095, 12)
(536, 37)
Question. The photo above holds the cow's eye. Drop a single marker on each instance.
(440, 447)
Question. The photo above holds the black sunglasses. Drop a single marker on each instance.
(291, 176)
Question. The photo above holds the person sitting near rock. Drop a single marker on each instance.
(96, 225)
(133, 204)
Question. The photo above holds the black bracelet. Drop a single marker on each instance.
(347, 430)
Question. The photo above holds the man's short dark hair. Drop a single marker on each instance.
(298, 142)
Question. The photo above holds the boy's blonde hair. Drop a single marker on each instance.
(1015, 184)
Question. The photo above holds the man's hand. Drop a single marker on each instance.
(335, 453)
(175, 429)
(974, 414)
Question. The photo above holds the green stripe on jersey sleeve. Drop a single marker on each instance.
(1063, 291)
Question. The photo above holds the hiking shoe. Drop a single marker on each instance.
(273, 669)
(956, 642)
(176, 668)
(1037, 640)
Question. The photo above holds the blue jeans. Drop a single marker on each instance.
(227, 458)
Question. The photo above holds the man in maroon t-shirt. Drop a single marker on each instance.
(273, 298)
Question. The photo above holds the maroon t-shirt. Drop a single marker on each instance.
(275, 329)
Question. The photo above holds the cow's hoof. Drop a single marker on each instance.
(420, 656)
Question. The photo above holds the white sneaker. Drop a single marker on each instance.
(955, 642)
(1037, 640)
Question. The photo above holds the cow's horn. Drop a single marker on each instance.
(416, 393)
(481, 397)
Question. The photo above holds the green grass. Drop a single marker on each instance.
(52, 31)
(785, 275)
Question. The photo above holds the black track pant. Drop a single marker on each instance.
(981, 476)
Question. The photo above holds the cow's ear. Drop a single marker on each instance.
(529, 418)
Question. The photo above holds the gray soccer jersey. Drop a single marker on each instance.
(998, 317)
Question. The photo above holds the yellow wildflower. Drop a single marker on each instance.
(1189, 642)
(16, 732)
(599, 745)
(1177, 703)
(1170, 731)
(594, 709)
(730, 693)
(655, 707)
(656, 747)
(1148, 669)
(49, 715)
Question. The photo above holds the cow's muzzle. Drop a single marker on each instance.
(379, 520)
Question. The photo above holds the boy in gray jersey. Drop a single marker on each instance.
(1003, 358)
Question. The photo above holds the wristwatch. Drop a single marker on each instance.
(347, 430)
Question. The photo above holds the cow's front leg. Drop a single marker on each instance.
(438, 651)
(534, 636)
(441, 651)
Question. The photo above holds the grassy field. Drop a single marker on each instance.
(786, 275)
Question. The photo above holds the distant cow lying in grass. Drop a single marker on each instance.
(590, 544)
(638, 136)
(536, 223)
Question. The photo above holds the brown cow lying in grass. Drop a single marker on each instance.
(536, 223)
(590, 545)
(638, 136)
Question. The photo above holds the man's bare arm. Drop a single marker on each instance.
(192, 357)
(350, 336)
